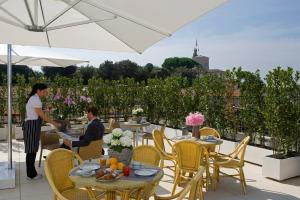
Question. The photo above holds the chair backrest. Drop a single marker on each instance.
(158, 138)
(93, 150)
(240, 150)
(193, 186)
(146, 154)
(206, 131)
(49, 138)
(190, 155)
(57, 168)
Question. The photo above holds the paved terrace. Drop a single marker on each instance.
(259, 188)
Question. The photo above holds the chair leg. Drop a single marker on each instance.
(207, 177)
(176, 180)
(200, 189)
(215, 176)
(147, 141)
(142, 141)
(40, 160)
(242, 180)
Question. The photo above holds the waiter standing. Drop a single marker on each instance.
(32, 127)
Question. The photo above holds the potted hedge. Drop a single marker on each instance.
(21, 96)
(282, 121)
(3, 130)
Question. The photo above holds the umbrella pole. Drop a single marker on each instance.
(9, 105)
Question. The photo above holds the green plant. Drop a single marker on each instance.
(3, 90)
(251, 102)
(282, 110)
(21, 96)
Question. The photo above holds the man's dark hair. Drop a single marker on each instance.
(93, 110)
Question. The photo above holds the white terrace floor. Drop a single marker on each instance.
(259, 188)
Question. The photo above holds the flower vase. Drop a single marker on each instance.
(124, 156)
(196, 132)
(137, 119)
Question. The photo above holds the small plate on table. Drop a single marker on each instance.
(89, 166)
(145, 172)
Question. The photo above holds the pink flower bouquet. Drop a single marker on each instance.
(194, 119)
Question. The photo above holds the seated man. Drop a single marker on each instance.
(94, 131)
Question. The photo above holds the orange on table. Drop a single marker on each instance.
(113, 166)
(113, 161)
(121, 165)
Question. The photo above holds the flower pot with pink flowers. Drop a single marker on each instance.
(195, 120)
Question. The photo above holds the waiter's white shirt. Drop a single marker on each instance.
(33, 102)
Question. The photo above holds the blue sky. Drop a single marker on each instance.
(255, 34)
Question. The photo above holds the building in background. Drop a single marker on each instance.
(202, 60)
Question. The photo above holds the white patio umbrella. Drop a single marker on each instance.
(113, 25)
(40, 61)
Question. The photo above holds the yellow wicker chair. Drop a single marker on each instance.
(191, 156)
(206, 131)
(234, 160)
(112, 124)
(49, 141)
(193, 188)
(57, 168)
(147, 155)
(93, 150)
(148, 135)
(159, 141)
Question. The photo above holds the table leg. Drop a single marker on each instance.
(110, 195)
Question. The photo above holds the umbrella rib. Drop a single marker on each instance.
(61, 13)
(13, 16)
(21, 60)
(36, 7)
(128, 45)
(29, 12)
(150, 27)
(3, 1)
(43, 15)
(8, 21)
(76, 24)
(58, 65)
(131, 47)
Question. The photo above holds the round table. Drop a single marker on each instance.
(136, 126)
(125, 186)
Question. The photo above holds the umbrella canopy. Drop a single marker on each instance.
(113, 25)
(43, 61)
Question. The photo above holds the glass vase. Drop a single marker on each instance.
(196, 132)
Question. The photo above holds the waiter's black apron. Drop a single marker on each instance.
(32, 132)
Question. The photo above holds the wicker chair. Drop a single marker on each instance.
(193, 188)
(191, 156)
(234, 160)
(93, 150)
(206, 131)
(49, 141)
(147, 135)
(112, 124)
(159, 139)
(147, 155)
(57, 168)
